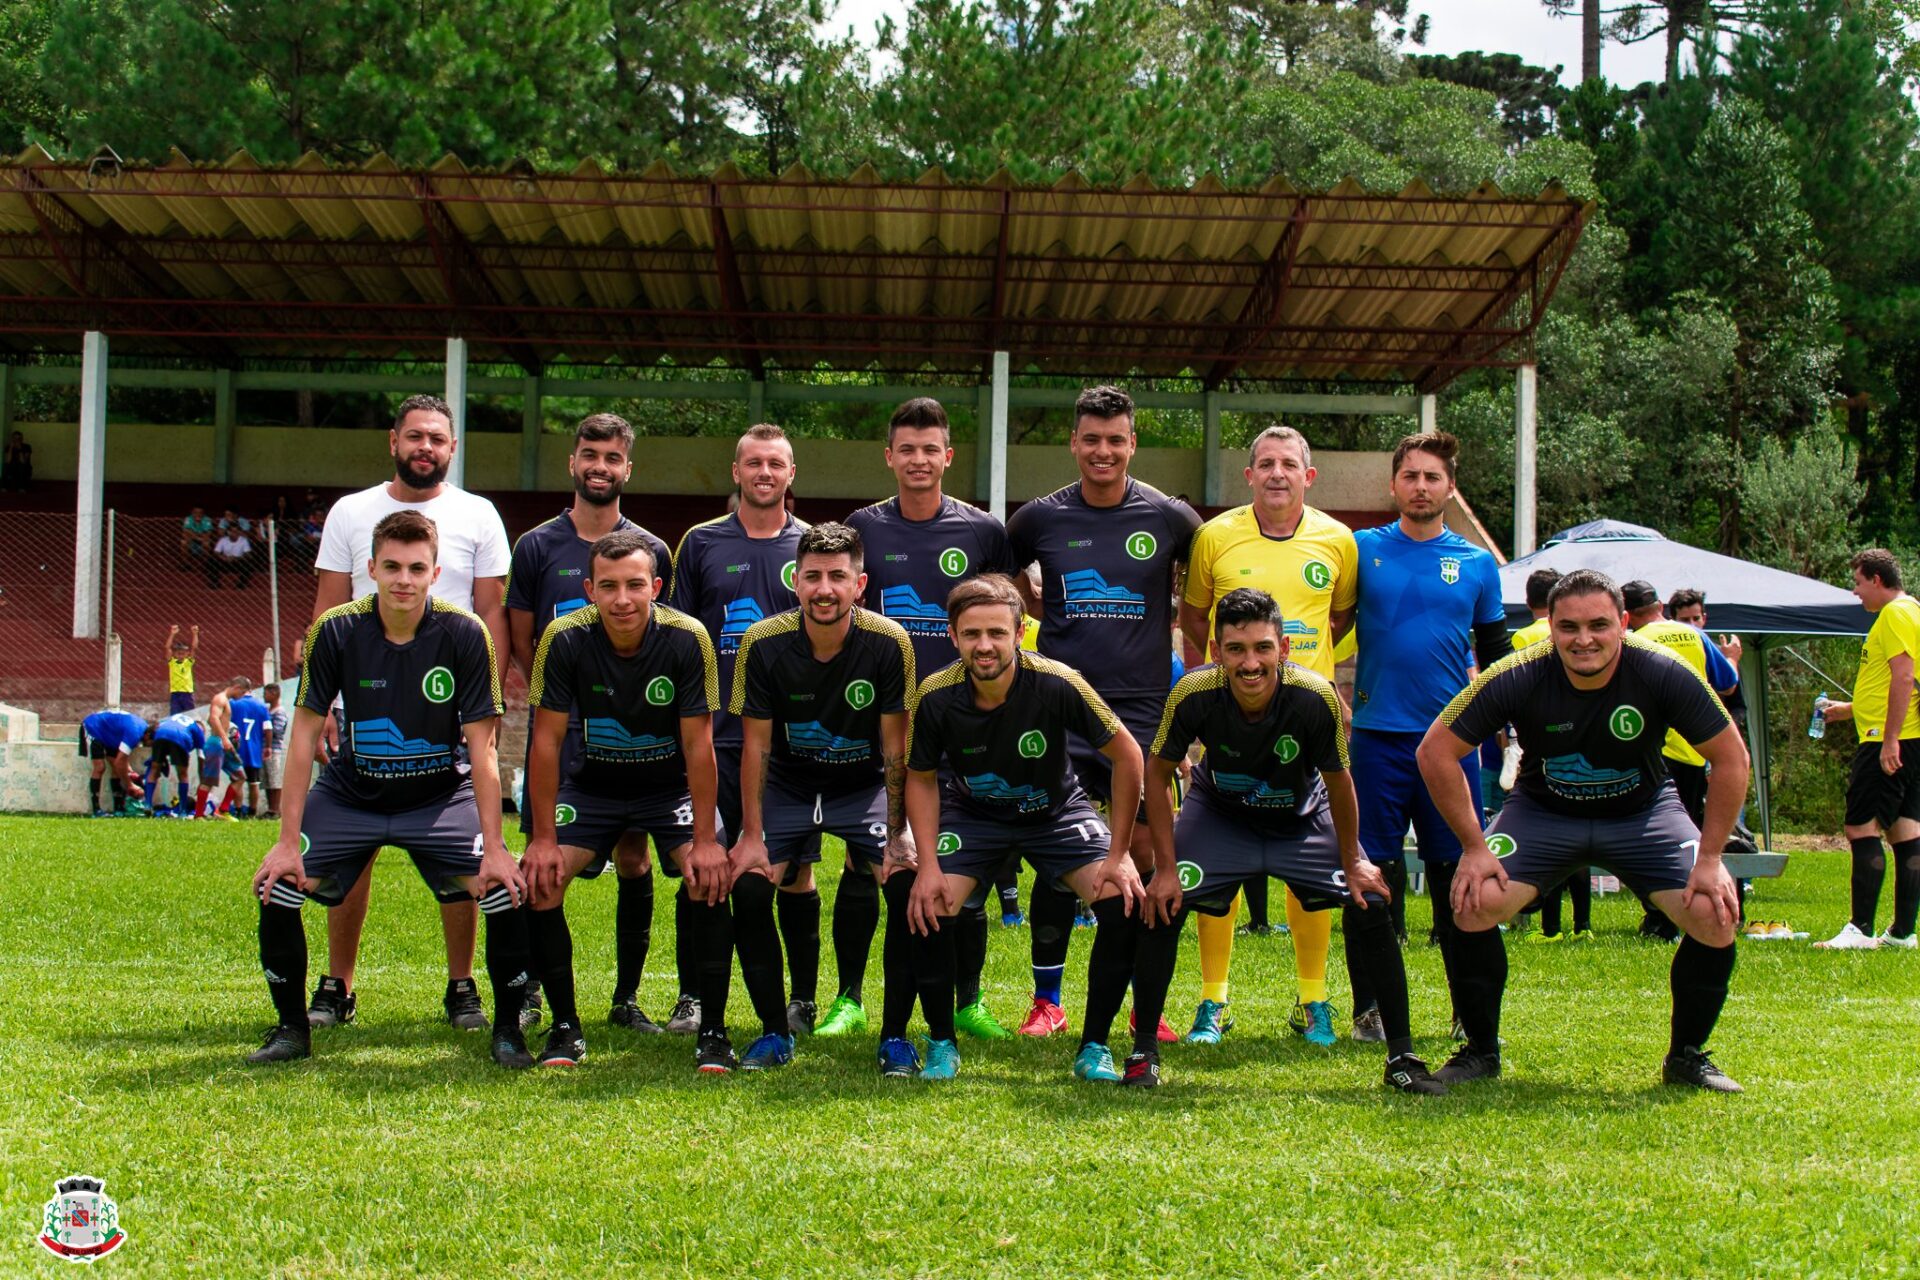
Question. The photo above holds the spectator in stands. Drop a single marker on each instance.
(232, 522)
(196, 536)
(233, 552)
(180, 656)
(17, 472)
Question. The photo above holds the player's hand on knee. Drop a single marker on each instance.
(541, 867)
(1119, 874)
(1364, 878)
(1477, 880)
(497, 870)
(283, 862)
(707, 872)
(1163, 899)
(749, 857)
(927, 903)
(1710, 884)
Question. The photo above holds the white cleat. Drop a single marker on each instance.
(1850, 938)
(1908, 943)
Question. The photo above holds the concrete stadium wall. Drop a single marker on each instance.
(38, 775)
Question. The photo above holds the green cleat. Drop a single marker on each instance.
(943, 1060)
(1095, 1064)
(844, 1017)
(974, 1020)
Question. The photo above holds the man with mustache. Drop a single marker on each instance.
(473, 562)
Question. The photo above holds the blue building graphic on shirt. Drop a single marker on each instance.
(812, 740)
(1252, 792)
(609, 740)
(1578, 778)
(741, 614)
(1089, 595)
(382, 749)
(992, 789)
(915, 616)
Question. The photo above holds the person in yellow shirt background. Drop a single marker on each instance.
(180, 656)
(1307, 561)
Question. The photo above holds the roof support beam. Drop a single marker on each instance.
(733, 292)
(470, 289)
(997, 307)
(1473, 339)
(1263, 306)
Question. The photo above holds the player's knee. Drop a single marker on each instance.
(798, 878)
(548, 898)
(858, 886)
(281, 893)
(495, 901)
(752, 891)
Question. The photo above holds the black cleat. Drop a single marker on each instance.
(1367, 1027)
(714, 1054)
(284, 1043)
(531, 1009)
(1466, 1064)
(1141, 1071)
(800, 1017)
(1409, 1074)
(1693, 1067)
(463, 1006)
(332, 1004)
(628, 1014)
(510, 1049)
(685, 1018)
(566, 1046)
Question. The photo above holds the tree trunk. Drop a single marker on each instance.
(1590, 41)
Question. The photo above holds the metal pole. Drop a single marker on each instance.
(456, 397)
(530, 424)
(223, 426)
(1526, 441)
(113, 640)
(1213, 486)
(273, 589)
(996, 494)
(111, 514)
(1429, 414)
(90, 486)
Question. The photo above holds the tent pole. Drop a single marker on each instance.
(1753, 680)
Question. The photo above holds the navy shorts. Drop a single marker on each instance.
(178, 702)
(1141, 714)
(726, 755)
(170, 755)
(795, 822)
(1650, 850)
(583, 820)
(1386, 778)
(1219, 852)
(338, 839)
(1055, 847)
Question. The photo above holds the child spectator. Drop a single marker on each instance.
(180, 656)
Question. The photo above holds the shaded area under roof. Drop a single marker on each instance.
(231, 262)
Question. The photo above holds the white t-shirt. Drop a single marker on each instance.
(473, 541)
(233, 544)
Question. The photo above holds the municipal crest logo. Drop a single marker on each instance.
(1033, 744)
(1626, 723)
(860, 694)
(1449, 569)
(660, 690)
(953, 562)
(437, 685)
(1142, 545)
(81, 1223)
(564, 815)
(1500, 844)
(786, 575)
(1317, 574)
(1288, 749)
(1190, 876)
(947, 843)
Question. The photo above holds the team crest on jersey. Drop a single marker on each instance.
(1033, 744)
(1317, 574)
(437, 685)
(786, 575)
(953, 562)
(1190, 876)
(1626, 722)
(80, 1223)
(860, 694)
(1287, 749)
(1449, 569)
(660, 690)
(1142, 545)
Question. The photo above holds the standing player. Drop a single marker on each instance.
(1429, 604)
(1271, 796)
(1306, 560)
(823, 692)
(1591, 711)
(219, 754)
(1109, 549)
(472, 576)
(920, 544)
(107, 740)
(546, 582)
(278, 723)
(252, 723)
(632, 684)
(730, 573)
(413, 674)
(1883, 787)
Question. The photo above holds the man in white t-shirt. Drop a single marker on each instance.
(474, 557)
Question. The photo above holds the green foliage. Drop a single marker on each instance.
(1799, 501)
(1529, 96)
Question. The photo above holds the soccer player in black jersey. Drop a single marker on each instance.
(998, 721)
(1591, 707)
(1271, 797)
(414, 675)
(623, 694)
(823, 692)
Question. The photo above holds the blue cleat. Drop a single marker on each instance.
(1012, 919)
(1314, 1020)
(898, 1058)
(1211, 1021)
(1095, 1063)
(943, 1060)
(766, 1053)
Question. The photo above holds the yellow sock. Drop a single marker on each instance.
(1312, 935)
(1216, 952)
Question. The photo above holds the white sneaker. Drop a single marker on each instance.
(1908, 943)
(1850, 938)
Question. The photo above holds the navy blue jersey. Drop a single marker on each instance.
(1265, 771)
(913, 564)
(249, 716)
(729, 581)
(551, 563)
(1106, 582)
(115, 730)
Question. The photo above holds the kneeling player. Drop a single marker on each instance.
(641, 682)
(1271, 797)
(823, 692)
(1592, 708)
(412, 673)
(999, 718)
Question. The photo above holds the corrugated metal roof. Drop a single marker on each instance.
(238, 260)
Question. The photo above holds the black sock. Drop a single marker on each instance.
(1372, 947)
(1550, 910)
(509, 963)
(1906, 887)
(1156, 948)
(856, 918)
(1699, 982)
(800, 930)
(1008, 886)
(283, 958)
(969, 954)
(933, 964)
(93, 793)
(688, 953)
(1050, 913)
(552, 944)
(897, 960)
(1395, 872)
(119, 790)
(1869, 870)
(632, 934)
(1478, 978)
(1109, 969)
(1440, 886)
(1359, 973)
(710, 969)
(758, 942)
(1256, 890)
(1580, 889)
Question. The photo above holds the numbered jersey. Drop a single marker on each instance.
(250, 716)
(728, 581)
(1267, 771)
(183, 730)
(912, 565)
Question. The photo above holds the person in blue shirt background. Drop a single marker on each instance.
(175, 739)
(252, 719)
(107, 739)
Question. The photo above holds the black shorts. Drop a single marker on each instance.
(583, 820)
(1141, 714)
(726, 757)
(1882, 798)
(338, 839)
(795, 822)
(170, 755)
(1219, 852)
(94, 749)
(1055, 847)
(1650, 850)
(252, 772)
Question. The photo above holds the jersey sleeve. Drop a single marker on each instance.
(1697, 711)
(1086, 712)
(477, 681)
(662, 559)
(1182, 523)
(521, 572)
(491, 556)
(1346, 581)
(1487, 606)
(1721, 674)
(753, 680)
(925, 740)
(683, 587)
(698, 682)
(336, 554)
(1023, 532)
(996, 551)
(1200, 554)
(320, 670)
(1326, 732)
(1180, 722)
(896, 683)
(555, 663)
(1487, 705)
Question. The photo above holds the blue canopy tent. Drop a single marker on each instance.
(1765, 607)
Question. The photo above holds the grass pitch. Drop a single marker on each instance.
(130, 988)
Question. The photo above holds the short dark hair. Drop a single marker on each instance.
(1686, 598)
(1243, 605)
(604, 426)
(1438, 443)
(921, 412)
(622, 543)
(1104, 403)
(1877, 563)
(419, 403)
(407, 527)
(269, 687)
(1539, 583)
(762, 431)
(831, 538)
(1585, 582)
(988, 588)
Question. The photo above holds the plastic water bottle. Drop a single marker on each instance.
(1817, 727)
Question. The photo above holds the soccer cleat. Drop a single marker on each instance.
(1162, 1034)
(1850, 938)
(1540, 939)
(1083, 917)
(332, 1004)
(685, 1018)
(1457, 1031)
(1142, 1071)
(463, 1005)
(943, 1060)
(284, 1043)
(225, 815)
(1211, 1021)
(1908, 943)
(1466, 1064)
(1367, 1027)
(800, 1016)
(766, 1053)
(510, 1049)
(102, 813)
(1254, 930)
(1044, 1018)
(1695, 1067)
(1012, 919)
(1657, 928)
(627, 1013)
(975, 1021)
(1095, 1064)
(566, 1046)
(1409, 1074)
(1581, 935)
(713, 1054)
(531, 1008)
(844, 1017)
(1314, 1021)
(898, 1058)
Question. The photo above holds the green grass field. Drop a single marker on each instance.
(130, 988)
